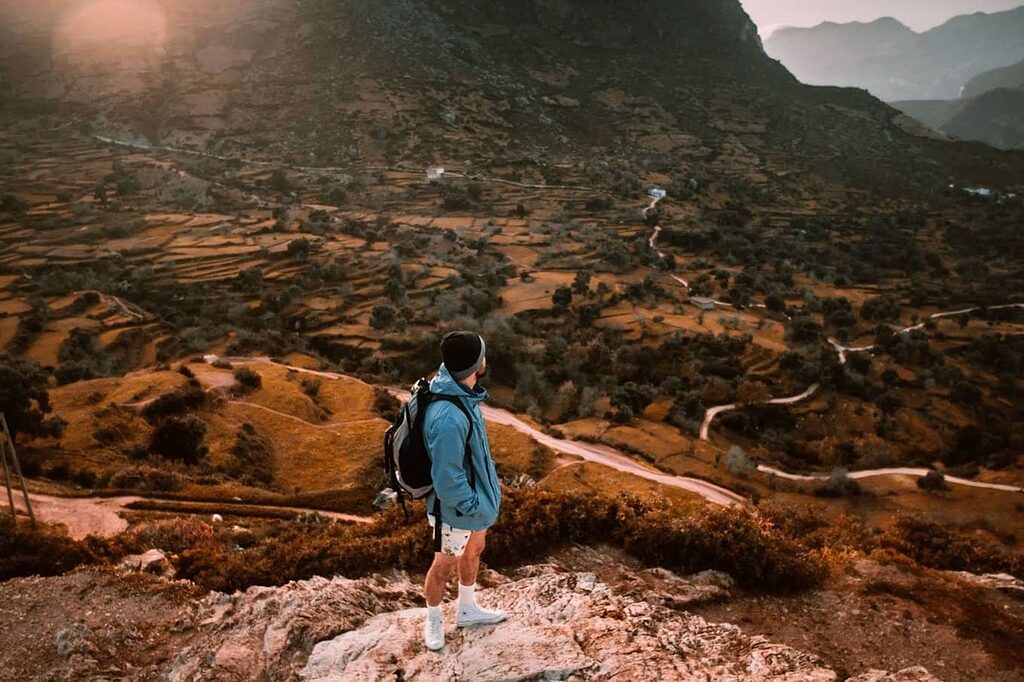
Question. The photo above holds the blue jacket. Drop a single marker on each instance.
(444, 431)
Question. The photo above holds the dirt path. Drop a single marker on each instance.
(843, 350)
(600, 454)
(102, 515)
(713, 412)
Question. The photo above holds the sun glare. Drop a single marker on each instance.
(103, 25)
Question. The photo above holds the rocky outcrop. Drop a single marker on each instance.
(562, 625)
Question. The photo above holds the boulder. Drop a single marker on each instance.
(152, 561)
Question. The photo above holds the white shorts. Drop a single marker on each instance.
(453, 540)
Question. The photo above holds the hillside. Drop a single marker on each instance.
(988, 109)
(995, 118)
(895, 63)
(1007, 77)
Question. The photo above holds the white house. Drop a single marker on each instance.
(435, 174)
(703, 302)
(657, 193)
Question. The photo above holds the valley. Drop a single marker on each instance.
(735, 324)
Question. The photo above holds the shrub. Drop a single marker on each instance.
(935, 546)
(385, 404)
(247, 380)
(932, 481)
(533, 523)
(839, 484)
(142, 478)
(186, 371)
(39, 550)
(739, 463)
(170, 535)
(180, 438)
(252, 457)
(175, 403)
(311, 386)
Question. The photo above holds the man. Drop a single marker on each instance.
(466, 489)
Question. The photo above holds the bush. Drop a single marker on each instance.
(40, 550)
(252, 457)
(932, 481)
(739, 463)
(935, 546)
(247, 380)
(311, 387)
(175, 403)
(180, 438)
(839, 484)
(532, 524)
(170, 535)
(142, 478)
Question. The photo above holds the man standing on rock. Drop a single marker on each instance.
(466, 489)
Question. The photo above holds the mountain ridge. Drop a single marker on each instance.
(896, 63)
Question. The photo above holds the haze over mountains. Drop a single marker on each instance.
(895, 63)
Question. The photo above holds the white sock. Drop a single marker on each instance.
(467, 595)
(433, 610)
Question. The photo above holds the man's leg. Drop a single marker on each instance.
(433, 590)
(470, 613)
(469, 562)
(437, 577)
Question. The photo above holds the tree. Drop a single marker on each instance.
(562, 297)
(279, 180)
(248, 380)
(180, 438)
(752, 392)
(581, 283)
(932, 481)
(839, 484)
(631, 399)
(739, 463)
(383, 316)
(299, 248)
(25, 400)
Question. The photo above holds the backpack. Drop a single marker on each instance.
(406, 459)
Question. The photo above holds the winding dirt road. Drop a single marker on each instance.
(102, 515)
(591, 452)
(713, 412)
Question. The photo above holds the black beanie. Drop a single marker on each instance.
(462, 353)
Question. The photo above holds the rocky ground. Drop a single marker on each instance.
(583, 615)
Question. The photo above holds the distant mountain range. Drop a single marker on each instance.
(990, 110)
(895, 63)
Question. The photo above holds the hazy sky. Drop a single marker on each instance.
(917, 14)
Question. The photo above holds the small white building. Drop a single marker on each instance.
(435, 174)
(657, 193)
(703, 302)
(978, 191)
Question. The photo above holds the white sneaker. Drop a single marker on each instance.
(433, 631)
(474, 614)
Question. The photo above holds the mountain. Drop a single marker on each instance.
(1007, 77)
(989, 110)
(995, 117)
(895, 63)
(434, 81)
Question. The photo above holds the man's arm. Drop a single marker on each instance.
(446, 442)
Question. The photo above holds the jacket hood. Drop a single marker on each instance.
(444, 383)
